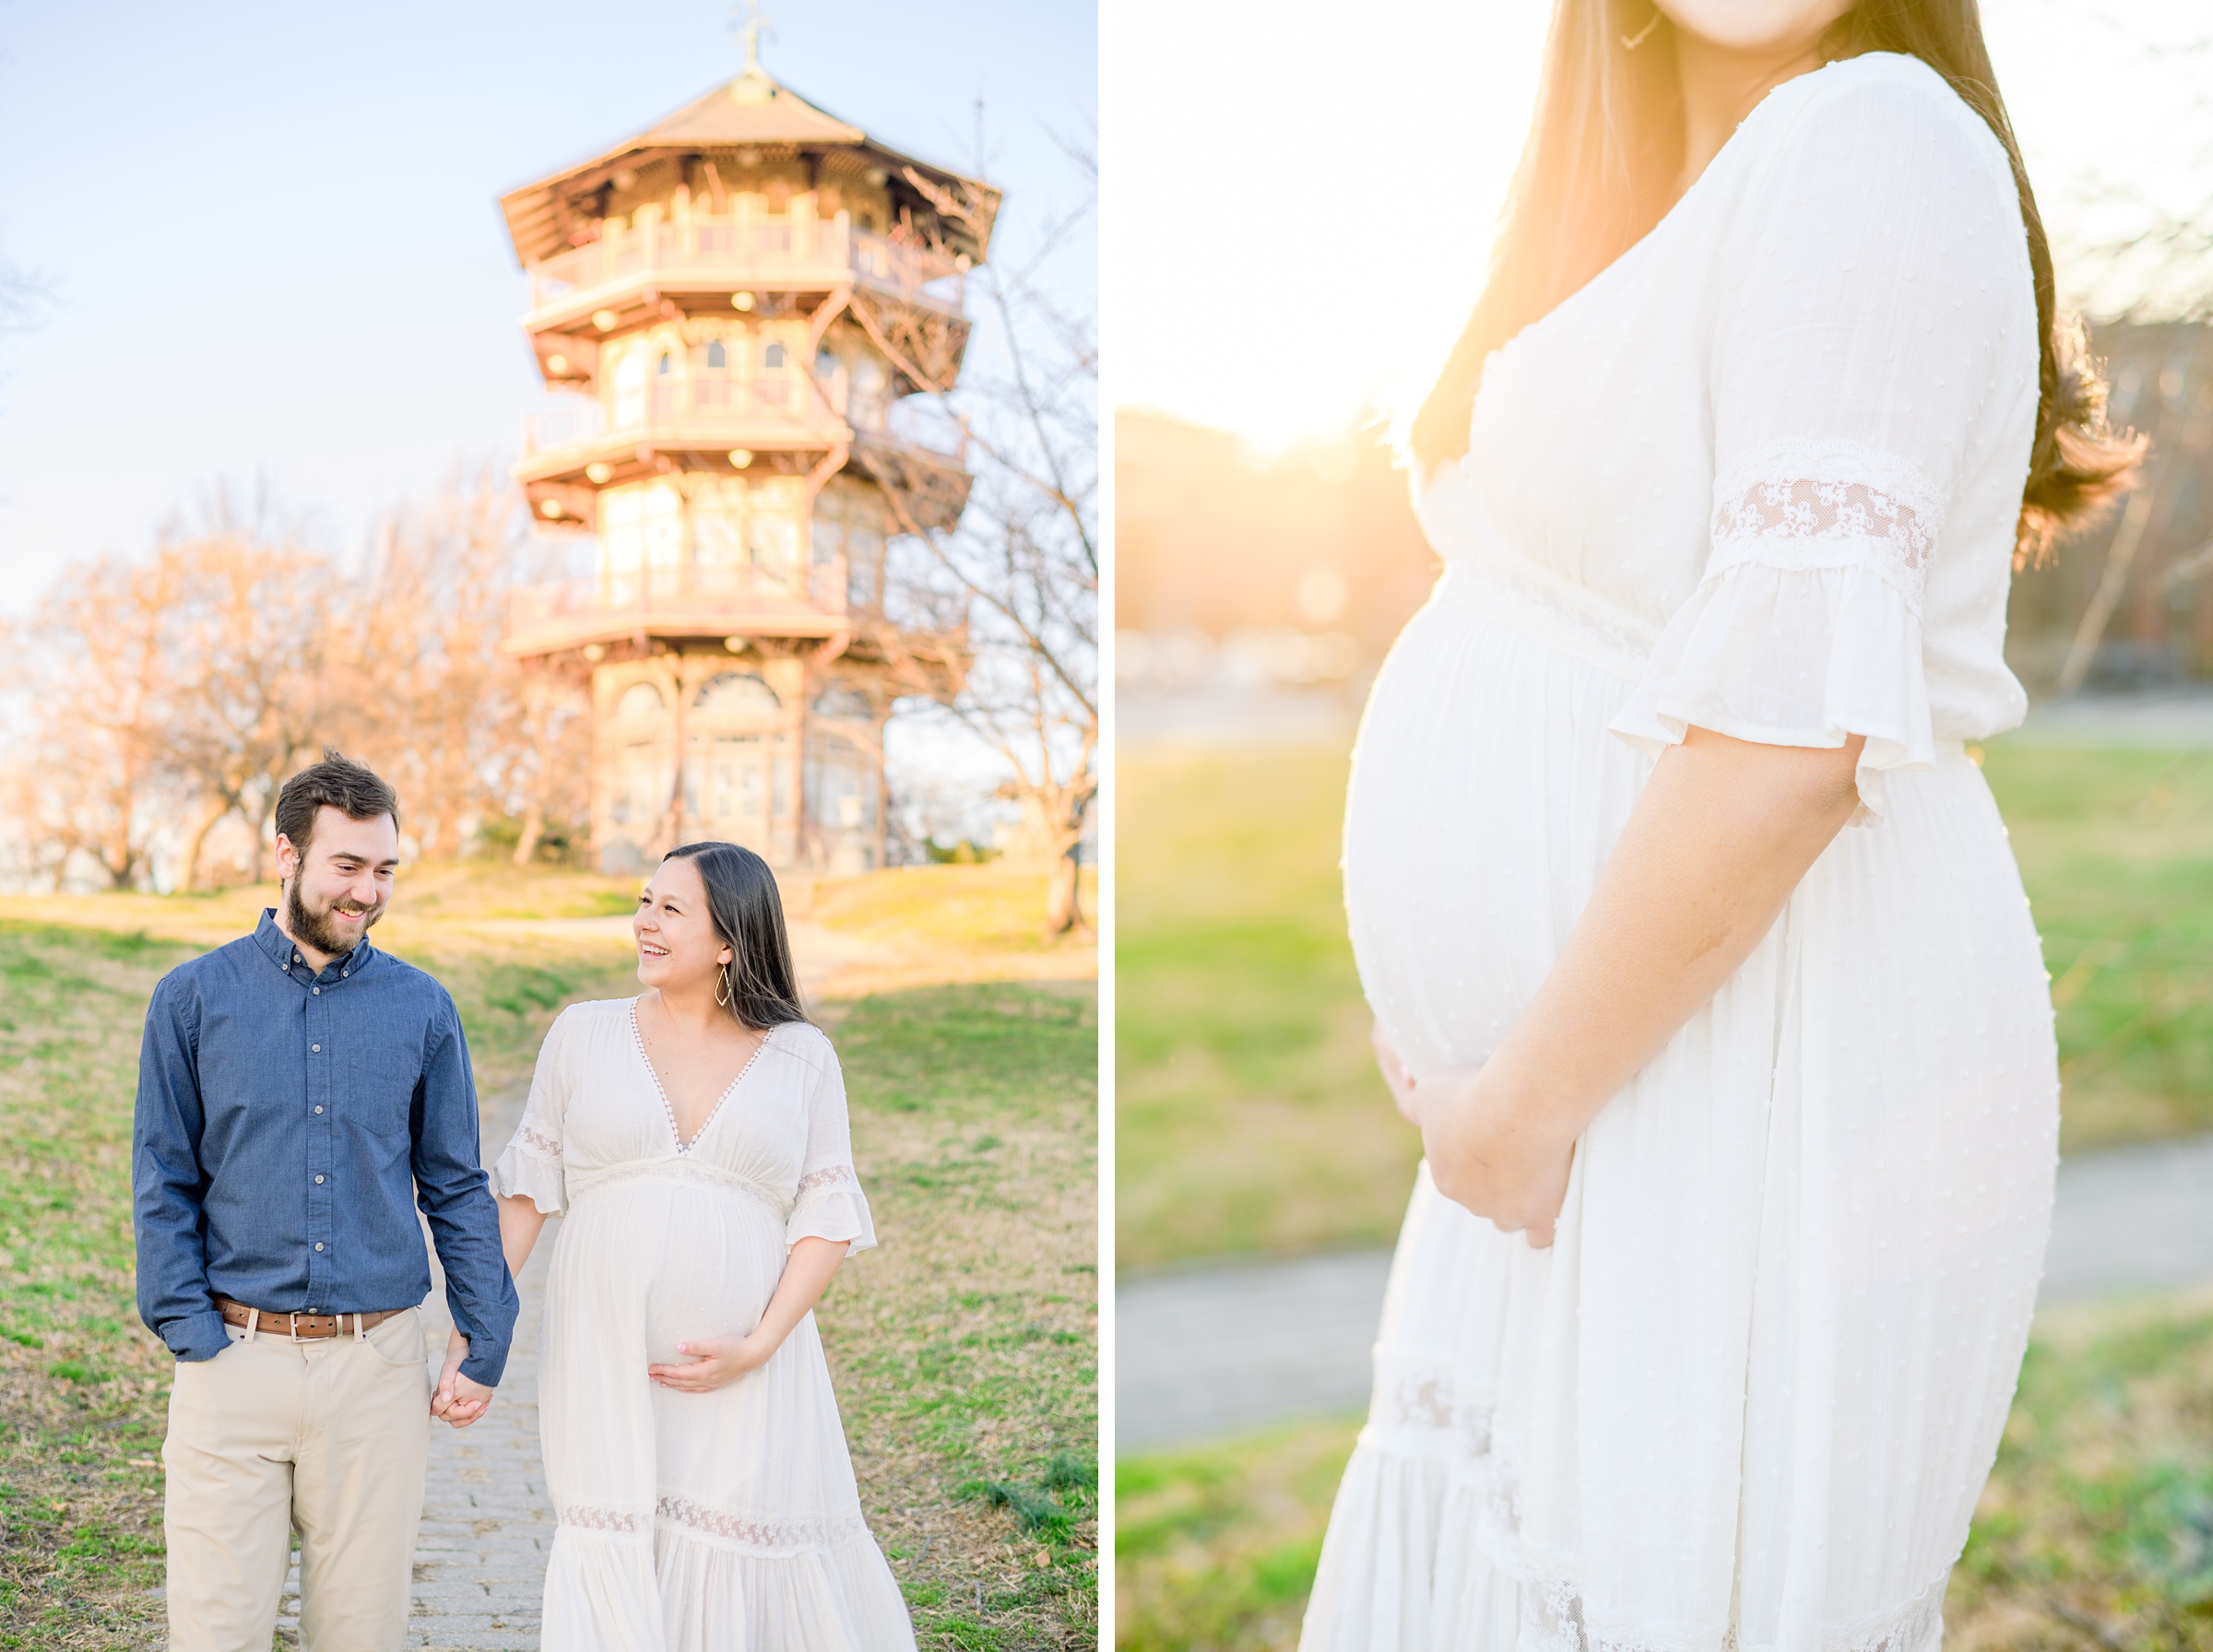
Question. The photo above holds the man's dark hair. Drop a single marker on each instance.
(340, 783)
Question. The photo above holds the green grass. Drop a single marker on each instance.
(1248, 1116)
(2095, 1530)
(1216, 1545)
(1250, 1119)
(966, 1348)
(2116, 849)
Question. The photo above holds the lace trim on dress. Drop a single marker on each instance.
(780, 1534)
(684, 1173)
(1553, 1620)
(600, 1516)
(1800, 505)
(829, 1175)
(1427, 1409)
(637, 1035)
(529, 1137)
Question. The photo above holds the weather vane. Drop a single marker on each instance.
(746, 21)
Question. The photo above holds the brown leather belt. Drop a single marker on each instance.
(302, 1328)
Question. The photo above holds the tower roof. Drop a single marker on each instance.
(751, 111)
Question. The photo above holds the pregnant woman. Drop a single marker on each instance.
(1695, 944)
(695, 1138)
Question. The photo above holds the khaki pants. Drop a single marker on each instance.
(328, 1438)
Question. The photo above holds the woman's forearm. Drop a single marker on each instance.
(807, 1272)
(1723, 832)
(521, 1222)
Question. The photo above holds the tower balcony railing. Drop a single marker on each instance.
(677, 600)
(701, 409)
(719, 252)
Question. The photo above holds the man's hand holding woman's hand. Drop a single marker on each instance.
(1486, 1153)
(458, 1399)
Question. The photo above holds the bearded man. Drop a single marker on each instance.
(299, 1095)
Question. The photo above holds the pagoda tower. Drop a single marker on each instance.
(736, 301)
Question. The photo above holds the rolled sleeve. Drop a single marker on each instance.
(168, 1183)
(452, 1190)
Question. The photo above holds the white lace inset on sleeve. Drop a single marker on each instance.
(1806, 628)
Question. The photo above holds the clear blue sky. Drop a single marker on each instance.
(271, 232)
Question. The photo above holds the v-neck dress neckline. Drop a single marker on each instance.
(684, 1148)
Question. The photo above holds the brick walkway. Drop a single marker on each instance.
(480, 1562)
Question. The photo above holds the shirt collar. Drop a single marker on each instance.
(279, 947)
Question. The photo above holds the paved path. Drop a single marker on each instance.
(1216, 1350)
(480, 1560)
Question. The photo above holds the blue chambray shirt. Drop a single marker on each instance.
(288, 1125)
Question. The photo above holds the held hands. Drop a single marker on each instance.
(458, 1400)
(721, 1361)
(1486, 1153)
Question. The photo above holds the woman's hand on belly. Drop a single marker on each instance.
(717, 1363)
(1500, 1162)
(723, 1360)
(1395, 1075)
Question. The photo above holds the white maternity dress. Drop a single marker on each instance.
(1759, 476)
(718, 1522)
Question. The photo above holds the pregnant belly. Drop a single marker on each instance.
(690, 1261)
(1485, 795)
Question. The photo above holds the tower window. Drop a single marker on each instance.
(772, 358)
(717, 357)
(664, 366)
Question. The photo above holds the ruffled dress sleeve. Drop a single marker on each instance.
(829, 1203)
(1855, 352)
(532, 1167)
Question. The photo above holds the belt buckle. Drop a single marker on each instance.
(295, 1326)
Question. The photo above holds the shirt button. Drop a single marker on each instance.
(316, 990)
(316, 1047)
(318, 1109)
(318, 1244)
(318, 1178)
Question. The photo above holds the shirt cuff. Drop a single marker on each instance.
(486, 1367)
(195, 1336)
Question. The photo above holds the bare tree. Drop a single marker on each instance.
(92, 670)
(251, 630)
(1025, 562)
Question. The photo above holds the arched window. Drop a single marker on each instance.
(639, 700)
(772, 358)
(665, 366)
(740, 693)
(717, 357)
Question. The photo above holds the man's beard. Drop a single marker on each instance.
(317, 929)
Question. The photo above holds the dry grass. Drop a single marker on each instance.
(83, 1387)
(966, 1352)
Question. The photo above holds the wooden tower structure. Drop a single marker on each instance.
(737, 301)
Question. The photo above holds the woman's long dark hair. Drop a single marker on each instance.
(1597, 172)
(748, 914)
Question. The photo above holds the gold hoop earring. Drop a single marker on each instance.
(1629, 43)
(728, 992)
